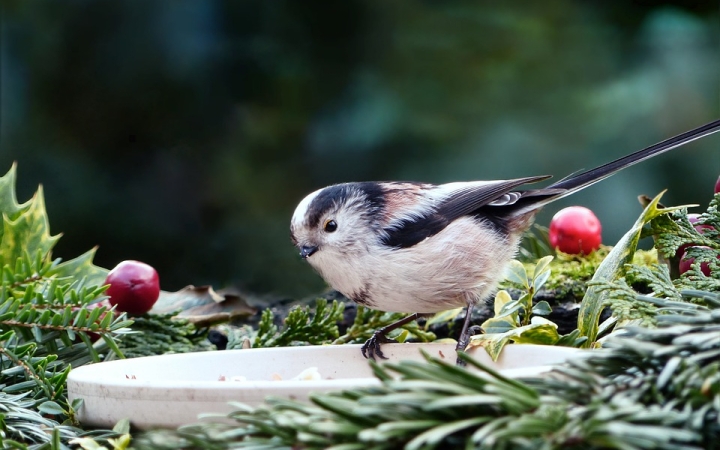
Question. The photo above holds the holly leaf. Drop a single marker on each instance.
(8, 202)
(80, 268)
(27, 234)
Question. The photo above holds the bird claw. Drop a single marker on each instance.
(371, 347)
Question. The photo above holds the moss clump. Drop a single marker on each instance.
(570, 273)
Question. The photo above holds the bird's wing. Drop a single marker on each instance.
(466, 198)
(437, 206)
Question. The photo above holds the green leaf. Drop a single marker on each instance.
(541, 267)
(502, 298)
(606, 325)
(37, 334)
(542, 308)
(492, 343)
(512, 309)
(497, 325)
(112, 345)
(516, 273)
(51, 407)
(537, 333)
(403, 336)
(87, 443)
(77, 404)
(540, 281)
(463, 400)
(122, 427)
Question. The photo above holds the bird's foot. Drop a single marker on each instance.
(371, 347)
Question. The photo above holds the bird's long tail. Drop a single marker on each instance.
(535, 199)
(578, 181)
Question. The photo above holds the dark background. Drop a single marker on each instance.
(183, 133)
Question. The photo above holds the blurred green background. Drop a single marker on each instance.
(183, 133)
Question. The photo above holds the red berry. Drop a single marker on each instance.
(134, 287)
(692, 218)
(686, 262)
(575, 230)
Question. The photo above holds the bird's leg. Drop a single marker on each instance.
(371, 347)
(466, 333)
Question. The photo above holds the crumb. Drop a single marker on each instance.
(442, 355)
(309, 374)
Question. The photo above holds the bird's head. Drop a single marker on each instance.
(336, 222)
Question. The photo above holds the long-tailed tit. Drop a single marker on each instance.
(422, 248)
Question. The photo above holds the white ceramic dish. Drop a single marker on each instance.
(171, 390)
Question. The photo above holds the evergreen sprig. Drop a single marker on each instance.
(21, 424)
(158, 334)
(655, 278)
(301, 326)
(695, 278)
(625, 302)
(672, 232)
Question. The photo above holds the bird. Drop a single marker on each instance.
(421, 248)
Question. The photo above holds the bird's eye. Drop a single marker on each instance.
(330, 226)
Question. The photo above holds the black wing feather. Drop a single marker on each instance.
(467, 201)
(411, 232)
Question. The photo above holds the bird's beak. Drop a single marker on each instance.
(307, 251)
